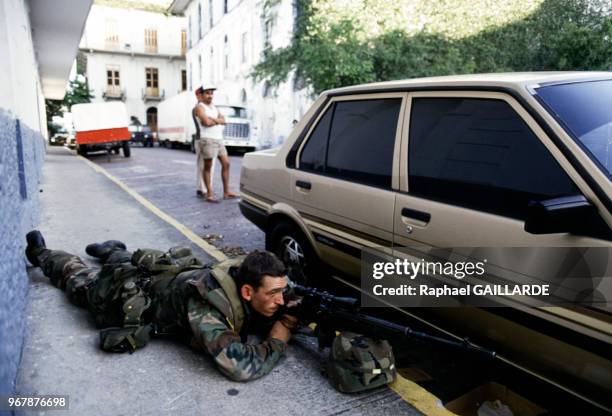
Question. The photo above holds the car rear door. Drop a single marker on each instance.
(346, 177)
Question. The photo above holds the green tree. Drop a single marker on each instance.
(53, 108)
(78, 92)
(344, 42)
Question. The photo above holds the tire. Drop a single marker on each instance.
(126, 149)
(116, 150)
(82, 150)
(290, 245)
(169, 144)
(192, 146)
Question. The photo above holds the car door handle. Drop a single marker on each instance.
(413, 214)
(303, 184)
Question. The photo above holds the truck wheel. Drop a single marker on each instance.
(291, 246)
(169, 144)
(82, 150)
(116, 150)
(192, 147)
(126, 149)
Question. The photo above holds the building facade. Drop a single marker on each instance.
(225, 39)
(135, 56)
(38, 43)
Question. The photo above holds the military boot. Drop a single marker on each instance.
(103, 250)
(36, 243)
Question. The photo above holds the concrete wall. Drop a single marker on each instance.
(22, 126)
(272, 110)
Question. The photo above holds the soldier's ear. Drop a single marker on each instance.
(246, 291)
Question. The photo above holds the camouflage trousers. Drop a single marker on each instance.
(69, 273)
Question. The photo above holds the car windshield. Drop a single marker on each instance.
(231, 111)
(585, 109)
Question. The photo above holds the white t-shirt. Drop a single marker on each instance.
(213, 132)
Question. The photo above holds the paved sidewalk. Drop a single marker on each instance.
(61, 354)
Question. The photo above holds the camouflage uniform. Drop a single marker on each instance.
(181, 305)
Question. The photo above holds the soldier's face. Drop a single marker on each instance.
(267, 298)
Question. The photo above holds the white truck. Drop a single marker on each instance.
(176, 126)
(101, 127)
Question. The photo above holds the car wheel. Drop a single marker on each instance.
(126, 149)
(291, 246)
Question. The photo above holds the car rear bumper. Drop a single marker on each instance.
(256, 215)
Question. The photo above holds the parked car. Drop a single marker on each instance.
(142, 134)
(61, 138)
(494, 160)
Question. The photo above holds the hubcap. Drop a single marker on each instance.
(292, 252)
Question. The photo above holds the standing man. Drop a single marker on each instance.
(211, 144)
(200, 187)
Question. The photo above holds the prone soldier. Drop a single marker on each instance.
(148, 292)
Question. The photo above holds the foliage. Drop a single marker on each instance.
(53, 108)
(135, 4)
(78, 92)
(345, 42)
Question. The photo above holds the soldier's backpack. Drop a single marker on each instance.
(357, 363)
(122, 295)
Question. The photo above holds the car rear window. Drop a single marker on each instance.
(358, 145)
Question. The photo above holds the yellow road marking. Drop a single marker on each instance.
(208, 248)
(409, 391)
(418, 397)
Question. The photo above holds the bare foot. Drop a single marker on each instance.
(230, 195)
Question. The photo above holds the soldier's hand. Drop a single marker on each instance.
(280, 332)
(290, 322)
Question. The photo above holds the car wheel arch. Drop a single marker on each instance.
(277, 217)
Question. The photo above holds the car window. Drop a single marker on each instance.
(362, 140)
(584, 109)
(478, 153)
(314, 151)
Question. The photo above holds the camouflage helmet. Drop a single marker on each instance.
(358, 363)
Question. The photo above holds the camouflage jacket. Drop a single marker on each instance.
(179, 306)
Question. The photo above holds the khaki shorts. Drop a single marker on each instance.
(211, 148)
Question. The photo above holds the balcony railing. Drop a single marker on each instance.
(114, 94)
(153, 94)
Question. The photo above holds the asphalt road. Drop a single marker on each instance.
(167, 178)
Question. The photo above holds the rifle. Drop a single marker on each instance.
(331, 313)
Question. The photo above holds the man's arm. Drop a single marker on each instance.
(235, 359)
(207, 121)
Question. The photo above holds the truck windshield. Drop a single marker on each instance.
(585, 111)
(231, 111)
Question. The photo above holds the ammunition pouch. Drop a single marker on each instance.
(357, 363)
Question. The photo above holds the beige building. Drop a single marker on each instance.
(135, 56)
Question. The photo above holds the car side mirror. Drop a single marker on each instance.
(559, 215)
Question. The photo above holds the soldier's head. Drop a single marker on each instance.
(262, 279)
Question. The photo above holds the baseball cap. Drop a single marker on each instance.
(206, 87)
